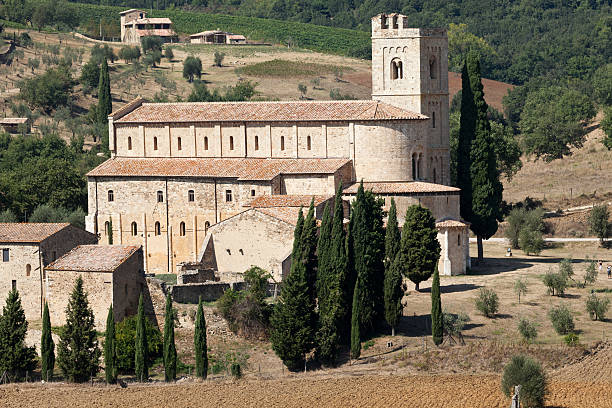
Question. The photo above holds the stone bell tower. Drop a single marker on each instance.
(410, 71)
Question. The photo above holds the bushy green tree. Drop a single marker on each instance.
(151, 43)
(527, 330)
(420, 249)
(78, 354)
(47, 347)
(598, 222)
(90, 75)
(141, 358)
(393, 285)
(200, 346)
(219, 58)
(520, 219)
(487, 302)
(17, 358)
(49, 90)
(110, 352)
(597, 307)
(529, 374)
(125, 343)
(105, 102)
(602, 84)
(192, 68)
(169, 346)
(437, 320)
(169, 54)
(606, 126)
(561, 319)
(7, 216)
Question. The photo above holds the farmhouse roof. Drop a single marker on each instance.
(13, 121)
(451, 224)
(208, 32)
(129, 11)
(31, 232)
(93, 258)
(410, 187)
(269, 201)
(289, 111)
(240, 168)
(150, 20)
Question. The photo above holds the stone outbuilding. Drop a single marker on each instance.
(16, 125)
(112, 274)
(26, 249)
(217, 37)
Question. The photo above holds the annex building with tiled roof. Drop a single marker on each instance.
(179, 169)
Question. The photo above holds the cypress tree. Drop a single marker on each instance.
(467, 127)
(296, 252)
(201, 348)
(327, 330)
(292, 332)
(169, 346)
(309, 250)
(105, 105)
(110, 354)
(351, 281)
(437, 328)
(141, 347)
(340, 271)
(110, 232)
(355, 323)
(78, 354)
(486, 187)
(47, 347)
(15, 357)
(393, 277)
(419, 248)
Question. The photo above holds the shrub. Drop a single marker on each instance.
(528, 222)
(555, 282)
(565, 268)
(597, 307)
(169, 54)
(561, 319)
(598, 222)
(125, 340)
(151, 43)
(520, 288)
(236, 370)
(487, 302)
(590, 276)
(531, 242)
(454, 323)
(528, 330)
(529, 374)
(192, 67)
(571, 339)
(219, 58)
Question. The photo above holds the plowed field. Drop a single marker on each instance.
(364, 391)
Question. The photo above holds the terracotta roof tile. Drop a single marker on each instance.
(451, 224)
(93, 258)
(290, 111)
(128, 107)
(286, 214)
(29, 232)
(240, 168)
(267, 201)
(409, 187)
(150, 20)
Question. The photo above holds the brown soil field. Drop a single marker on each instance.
(494, 90)
(302, 391)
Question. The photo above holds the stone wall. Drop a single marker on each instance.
(24, 268)
(190, 293)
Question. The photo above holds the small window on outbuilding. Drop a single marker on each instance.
(14, 284)
(129, 143)
(179, 143)
(134, 229)
(191, 195)
(252, 192)
(28, 269)
(256, 142)
(228, 195)
(308, 143)
(206, 143)
(282, 142)
(231, 142)
(111, 195)
(160, 197)
(155, 143)
(157, 228)
(5, 255)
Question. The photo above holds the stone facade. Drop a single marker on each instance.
(177, 170)
(26, 250)
(112, 275)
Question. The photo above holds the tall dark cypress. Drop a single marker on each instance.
(47, 347)
(340, 270)
(355, 322)
(201, 348)
(105, 103)
(141, 347)
(110, 354)
(309, 251)
(486, 188)
(169, 346)
(324, 260)
(437, 328)
(393, 287)
(467, 128)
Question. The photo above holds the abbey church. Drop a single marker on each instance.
(221, 183)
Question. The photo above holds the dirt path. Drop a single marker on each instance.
(367, 391)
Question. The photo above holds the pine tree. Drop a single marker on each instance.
(355, 319)
(169, 346)
(437, 328)
(467, 128)
(292, 331)
(486, 187)
(393, 277)
(419, 247)
(110, 353)
(201, 348)
(105, 105)
(141, 353)
(368, 256)
(15, 358)
(47, 347)
(78, 354)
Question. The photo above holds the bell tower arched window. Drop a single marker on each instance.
(433, 68)
(396, 69)
(134, 229)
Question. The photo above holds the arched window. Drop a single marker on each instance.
(282, 142)
(179, 143)
(129, 143)
(182, 229)
(231, 142)
(107, 228)
(432, 68)
(157, 228)
(396, 69)
(256, 142)
(155, 143)
(205, 142)
(191, 196)
(111, 195)
(28, 269)
(458, 239)
(206, 226)
(433, 119)
(434, 175)
(160, 197)
(308, 143)
(134, 229)
(394, 20)
(420, 166)
(414, 168)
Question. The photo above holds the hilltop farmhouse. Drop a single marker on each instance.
(135, 24)
(194, 181)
